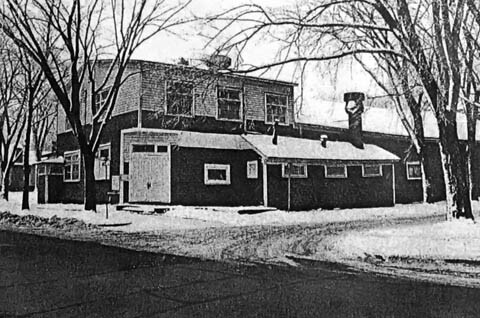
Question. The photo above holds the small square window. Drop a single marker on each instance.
(414, 170)
(217, 174)
(252, 169)
(162, 148)
(336, 171)
(294, 171)
(369, 170)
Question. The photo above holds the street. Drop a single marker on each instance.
(46, 277)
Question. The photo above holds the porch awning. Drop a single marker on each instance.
(308, 150)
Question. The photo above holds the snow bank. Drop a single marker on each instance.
(457, 239)
(184, 218)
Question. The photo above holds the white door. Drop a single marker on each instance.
(150, 177)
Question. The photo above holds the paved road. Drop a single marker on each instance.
(44, 277)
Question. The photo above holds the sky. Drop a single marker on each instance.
(317, 84)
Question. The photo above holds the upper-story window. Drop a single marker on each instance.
(276, 108)
(100, 100)
(179, 98)
(229, 103)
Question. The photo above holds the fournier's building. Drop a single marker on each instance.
(190, 136)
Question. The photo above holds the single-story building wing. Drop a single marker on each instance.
(194, 168)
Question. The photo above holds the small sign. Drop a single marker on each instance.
(115, 183)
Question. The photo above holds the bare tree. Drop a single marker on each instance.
(66, 36)
(12, 119)
(35, 94)
(426, 35)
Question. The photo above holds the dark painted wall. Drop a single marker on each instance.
(318, 191)
(73, 191)
(188, 185)
(407, 191)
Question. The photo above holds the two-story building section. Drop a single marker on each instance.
(184, 135)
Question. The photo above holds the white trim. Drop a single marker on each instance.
(73, 152)
(394, 186)
(295, 176)
(287, 119)
(193, 99)
(121, 198)
(380, 170)
(265, 182)
(254, 174)
(241, 103)
(408, 163)
(344, 176)
(215, 166)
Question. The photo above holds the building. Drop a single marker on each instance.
(383, 127)
(184, 135)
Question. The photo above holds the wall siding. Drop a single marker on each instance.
(316, 191)
(188, 178)
(73, 191)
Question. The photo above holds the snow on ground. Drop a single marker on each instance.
(184, 218)
(457, 239)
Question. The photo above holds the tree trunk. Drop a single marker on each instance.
(26, 161)
(454, 167)
(426, 179)
(90, 198)
(472, 114)
(6, 184)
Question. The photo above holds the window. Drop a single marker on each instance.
(162, 148)
(252, 169)
(276, 108)
(217, 174)
(179, 98)
(71, 170)
(102, 163)
(414, 171)
(229, 103)
(100, 100)
(294, 170)
(369, 170)
(143, 148)
(336, 171)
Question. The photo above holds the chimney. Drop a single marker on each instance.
(354, 109)
(275, 133)
(323, 140)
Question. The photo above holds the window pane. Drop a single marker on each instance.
(179, 98)
(414, 171)
(372, 170)
(143, 148)
(217, 174)
(162, 149)
(336, 171)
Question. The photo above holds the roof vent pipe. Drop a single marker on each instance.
(354, 109)
(323, 140)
